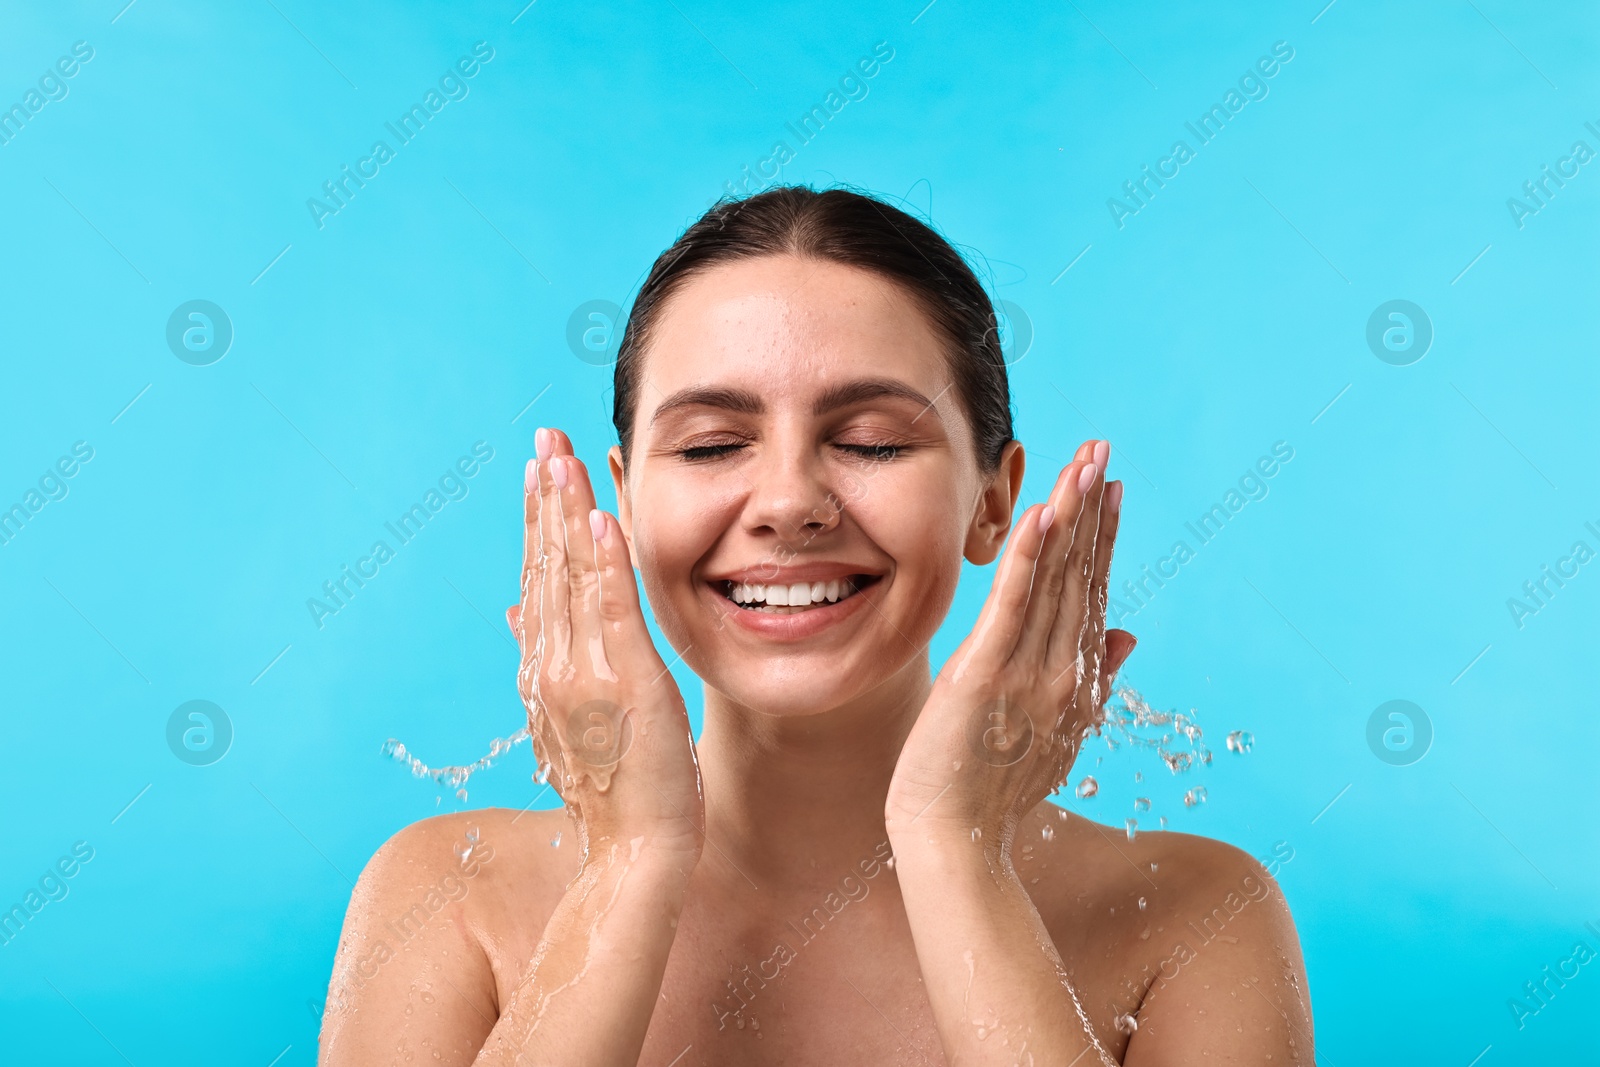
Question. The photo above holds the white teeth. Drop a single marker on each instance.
(797, 595)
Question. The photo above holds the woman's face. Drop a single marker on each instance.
(797, 427)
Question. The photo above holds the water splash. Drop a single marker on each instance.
(1174, 737)
(455, 776)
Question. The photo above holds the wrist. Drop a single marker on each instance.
(664, 852)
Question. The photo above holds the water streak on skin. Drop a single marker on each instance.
(544, 999)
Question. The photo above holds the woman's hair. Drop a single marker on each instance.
(840, 226)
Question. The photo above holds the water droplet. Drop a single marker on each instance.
(1133, 829)
(1088, 787)
(555, 842)
(1240, 741)
(1138, 776)
(976, 833)
(1197, 795)
(1141, 903)
(1048, 833)
(1141, 803)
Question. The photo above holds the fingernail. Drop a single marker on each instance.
(1086, 478)
(558, 471)
(530, 477)
(1102, 452)
(1046, 517)
(542, 443)
(597, 524)
(1114, 497)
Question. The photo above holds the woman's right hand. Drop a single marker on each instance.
(605, 714)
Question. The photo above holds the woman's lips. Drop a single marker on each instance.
(794, 625)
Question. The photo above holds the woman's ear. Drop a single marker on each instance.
(991, 519)
(624, 511)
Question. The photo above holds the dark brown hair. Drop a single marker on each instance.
(841, 226)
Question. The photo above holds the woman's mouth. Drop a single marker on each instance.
(792, 599)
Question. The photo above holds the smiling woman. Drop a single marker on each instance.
(814, 433)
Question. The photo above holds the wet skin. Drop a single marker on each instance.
(826, 744)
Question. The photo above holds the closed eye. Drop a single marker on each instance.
(708, 451)
(880, 453)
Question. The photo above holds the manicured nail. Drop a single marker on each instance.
(530, 477)
(1114, 497)
(1046, 516)
(1102, 452)
(558, 471)
(1086, 478)
(597, 524)
(542, 443)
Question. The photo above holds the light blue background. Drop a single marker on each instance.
(426, 315)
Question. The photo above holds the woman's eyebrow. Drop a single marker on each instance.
(747, 402)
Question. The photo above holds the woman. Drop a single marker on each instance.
(856, 863)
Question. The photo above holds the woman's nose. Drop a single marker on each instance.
(792, 496)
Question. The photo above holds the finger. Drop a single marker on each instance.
(1094, 644)
(546, 442)
(1072, 608)
(626, 637)
(554, 624)
(1050, 575)
(577, 502)
(1119, 646)
(999, 624)
(518, 615)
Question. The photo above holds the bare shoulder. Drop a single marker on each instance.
(434, 916)
(1194, 937)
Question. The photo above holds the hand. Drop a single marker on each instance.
(606, 717)
(1010, 709)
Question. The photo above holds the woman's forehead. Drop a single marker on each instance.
(790, 328)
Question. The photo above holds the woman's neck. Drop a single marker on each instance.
(796, 799)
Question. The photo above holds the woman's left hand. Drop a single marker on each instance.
(1010, 709)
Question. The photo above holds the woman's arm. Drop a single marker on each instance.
(998, 734)
(589, 993)
(995, 981)
(610, 727)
